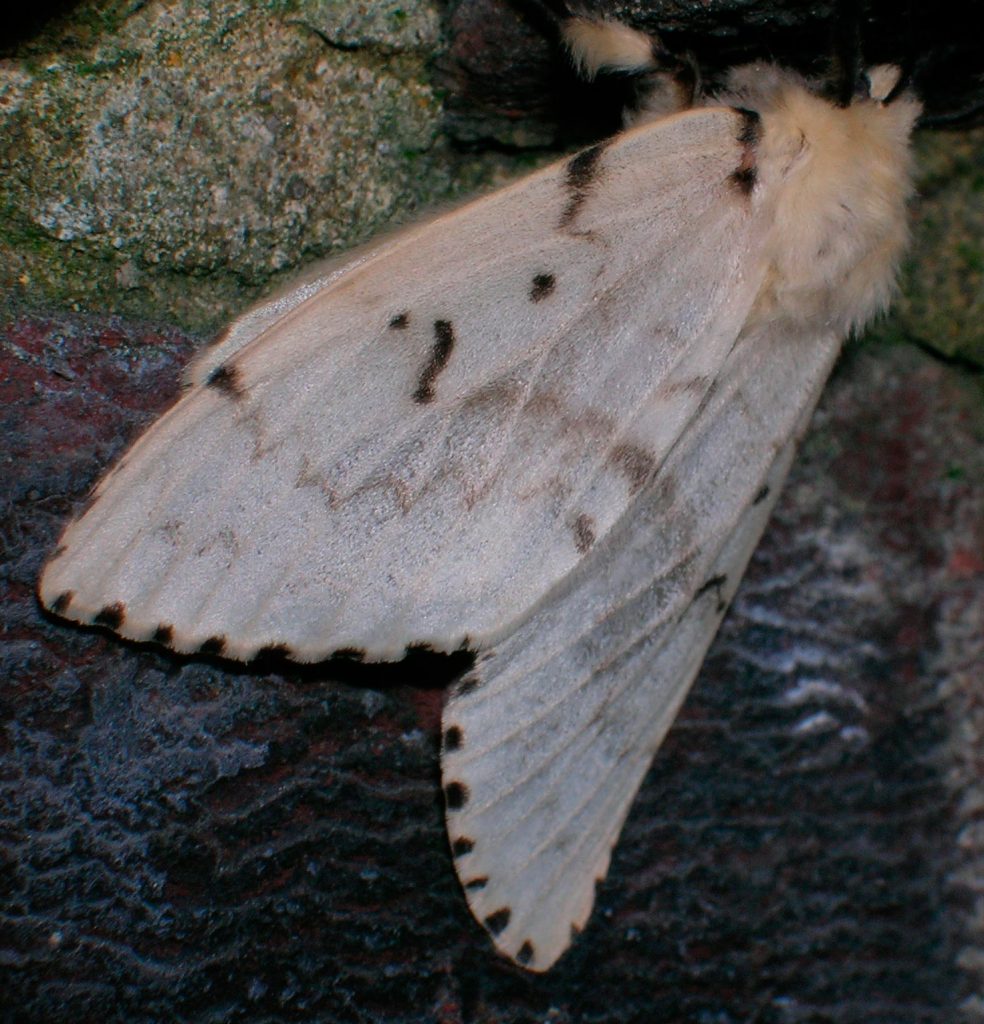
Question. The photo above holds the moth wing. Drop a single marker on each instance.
(547, 741)
(262, 316)
(418, 446)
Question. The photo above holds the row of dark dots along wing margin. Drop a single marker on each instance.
(112, 616)
(456, 796)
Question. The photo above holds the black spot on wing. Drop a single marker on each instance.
(714, 583)
(635, 463)
(440, 354)
(582, 173)
(750, 128)
(543, 285)
(745, 175)
(477, 883)
(763, 493)
(351, 654)
(455, 795)
(113, 616)
(400, 322)
(164, 634)
(60, 604)
(462, 846)
(225, 378)
(453, 738)
(743, 179)
(498, 920)
(213, 645)
(525, 954)
(584, 533)
(467, 684)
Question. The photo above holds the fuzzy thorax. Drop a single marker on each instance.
(837, 180)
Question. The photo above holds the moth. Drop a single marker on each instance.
(548, 426)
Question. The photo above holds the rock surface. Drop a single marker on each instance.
(168, 160)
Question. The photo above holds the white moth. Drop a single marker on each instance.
(549, 425)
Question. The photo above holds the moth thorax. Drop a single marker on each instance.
(843, 178)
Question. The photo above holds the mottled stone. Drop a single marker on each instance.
(171, 159)
(942, 284)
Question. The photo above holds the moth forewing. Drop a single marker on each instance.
(336, 481)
